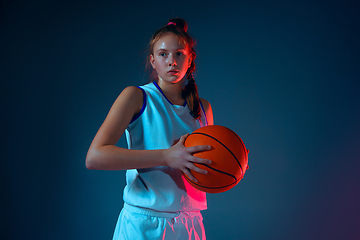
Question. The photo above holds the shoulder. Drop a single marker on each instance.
(132, 93)
(130, 99)
(208, 111)
(205, 104)
(132, 90)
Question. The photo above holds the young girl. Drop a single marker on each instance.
(157, 117)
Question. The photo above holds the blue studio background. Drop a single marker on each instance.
(282, 74)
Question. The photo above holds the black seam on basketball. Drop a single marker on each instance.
(209, 187)
(242, 143)
(242, 172)
(217, 170)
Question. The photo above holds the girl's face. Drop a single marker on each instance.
(171, 58)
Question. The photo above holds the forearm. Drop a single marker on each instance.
(111, 157)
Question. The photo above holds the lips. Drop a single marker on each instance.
(173, 71)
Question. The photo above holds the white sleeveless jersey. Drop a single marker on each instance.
(157, 126)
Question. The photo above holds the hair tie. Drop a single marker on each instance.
(171, 23)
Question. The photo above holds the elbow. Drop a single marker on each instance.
(89, 165)
(90, 162)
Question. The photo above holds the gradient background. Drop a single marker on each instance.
(283, 74)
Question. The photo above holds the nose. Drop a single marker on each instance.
(171, 60)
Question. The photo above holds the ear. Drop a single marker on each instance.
(190, 60)
(152, 61)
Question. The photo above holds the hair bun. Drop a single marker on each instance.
(179, 23)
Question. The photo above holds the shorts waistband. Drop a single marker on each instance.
(153, 213)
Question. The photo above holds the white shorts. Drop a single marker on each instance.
(142, 224)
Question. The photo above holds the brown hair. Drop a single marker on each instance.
(179, 27)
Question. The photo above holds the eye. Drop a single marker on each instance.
(162, 54)
(180, 53)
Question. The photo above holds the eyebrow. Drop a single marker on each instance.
(179, 49)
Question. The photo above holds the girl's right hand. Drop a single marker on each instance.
(180, 157)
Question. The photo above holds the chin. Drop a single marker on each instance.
(171, 80)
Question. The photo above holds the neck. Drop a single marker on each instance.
(173, 91)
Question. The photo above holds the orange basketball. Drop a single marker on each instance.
(228, 155)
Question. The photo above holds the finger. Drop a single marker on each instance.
(200, 160)
(182, 138)
(199, 148)
(189, 175)
(197, 169)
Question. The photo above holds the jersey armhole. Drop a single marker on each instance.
(202, 107)
(142, 108)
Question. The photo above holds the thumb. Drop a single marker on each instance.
(183, 138)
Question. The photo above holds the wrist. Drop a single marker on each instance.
(164, 157)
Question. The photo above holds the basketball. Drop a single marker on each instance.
(228, 155)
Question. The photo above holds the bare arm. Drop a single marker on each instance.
(208, 111)
(104, 155)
